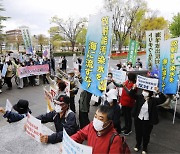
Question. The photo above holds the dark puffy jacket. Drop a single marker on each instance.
(68, 122)
(13, 116)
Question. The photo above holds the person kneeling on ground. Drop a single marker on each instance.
(22, 107)
(99, 132)
(62, 117)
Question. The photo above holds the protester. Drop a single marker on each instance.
(79, 60)
(127, 103)
(64, 64)
(145, 115)
(62, 117)
(22, 108)
(139, 63)
(0, 82)
(110, 83)
(98, 133)
(9, 75)
(111, 100)
(73, 89)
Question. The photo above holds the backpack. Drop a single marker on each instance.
(125, 148)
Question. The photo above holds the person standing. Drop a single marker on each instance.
(145, 115)
(64, 64)
(9, 75)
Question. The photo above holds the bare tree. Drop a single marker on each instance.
(70, 28)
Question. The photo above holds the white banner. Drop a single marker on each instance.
(146, 83)
(119, 76)
(33, 127)
(4, 70)
(69, 146)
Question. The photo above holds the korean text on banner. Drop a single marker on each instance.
(146, 83)
(119, 76)
(33, 127)
(98, 45)
(69, 146)
(132, 54)
(168, 75)
(153, 39)
(27, 39)
(32, 70)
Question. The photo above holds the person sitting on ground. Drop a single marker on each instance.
(62, 117)
(22, 108)
(99, 132)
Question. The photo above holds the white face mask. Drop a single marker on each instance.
(145, 93)
(98, 124)
(58, 108)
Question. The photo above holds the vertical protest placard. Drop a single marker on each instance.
(4, 70)
(27, 39)
(33, 127)
(146, 83)
(8, 105)
(153, 39)
(97, 52)
(132, 54)
(69, 146)
(168, 75)
(49, 100)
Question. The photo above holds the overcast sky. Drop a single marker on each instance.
(36, 14)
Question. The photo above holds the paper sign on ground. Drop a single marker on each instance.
(33, 127)
(69, 146)
(146, 83)
(8, 105)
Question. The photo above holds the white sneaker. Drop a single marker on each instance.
(144, 152)
(0, 91)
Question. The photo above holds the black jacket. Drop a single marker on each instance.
(152, 106)
(68, 123)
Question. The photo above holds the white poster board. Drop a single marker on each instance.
(33, 127)
(146, 83)
(69, 146)
(8, 105)
(4, 70)
(119, 76)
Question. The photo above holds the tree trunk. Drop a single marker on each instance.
(41, 47)
(120, 46)
(72, 45)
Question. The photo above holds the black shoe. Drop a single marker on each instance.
(126, 132)
(123, 129)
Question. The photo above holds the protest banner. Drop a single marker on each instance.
(49, 100)
(153, 39)
(4, 70)
(8, 105)
(119, 76)
(132, 54)
(67, 89)
(97, 51)
(33, 127)
(46, 52)
(27, 39)
(146, 83)
(168, 74)
(32, 70)
(69, 146)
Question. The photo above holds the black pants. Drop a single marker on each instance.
(32, 81)
(143, 130)
(127, 117)
(83, 119)
(0, 83)
(45, 80)
(72, 104)
(8, 82)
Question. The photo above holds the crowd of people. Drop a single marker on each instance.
(131, 102)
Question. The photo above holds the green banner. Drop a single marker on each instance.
(133, 48)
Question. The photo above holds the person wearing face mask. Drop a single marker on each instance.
(62, 117)
(98, 133)
(145, 115)
(111, 101)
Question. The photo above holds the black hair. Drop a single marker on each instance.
(62, 85)
(110, 74)
(132, 77)
(107, 110)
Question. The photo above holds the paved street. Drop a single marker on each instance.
(165, 137)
